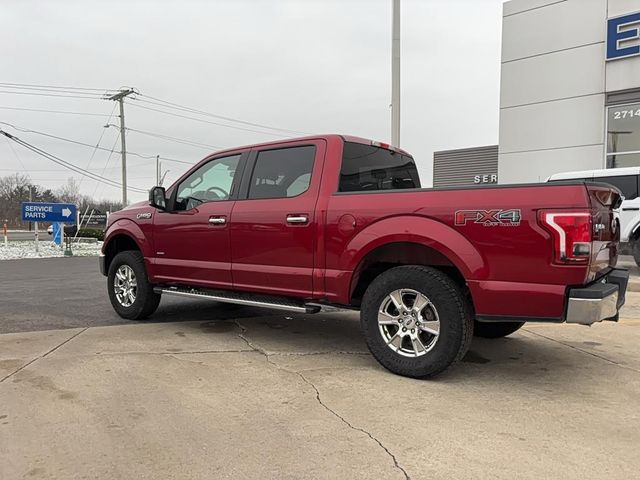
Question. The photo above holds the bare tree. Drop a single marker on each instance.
(18, 188)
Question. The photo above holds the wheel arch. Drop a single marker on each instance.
(444, 249)
(127, 236)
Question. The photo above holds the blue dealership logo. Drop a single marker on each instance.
(623, 36)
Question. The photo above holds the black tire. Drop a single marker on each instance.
(636, 251)
(146, 300)
(448, 300)
(495, 329)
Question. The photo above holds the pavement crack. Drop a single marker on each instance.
(587, 352)
(267, 356)
(44, 355)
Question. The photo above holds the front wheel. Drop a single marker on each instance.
(496, 329)
(130, 292)
(416, 321)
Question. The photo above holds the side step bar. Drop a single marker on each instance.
(253, 300)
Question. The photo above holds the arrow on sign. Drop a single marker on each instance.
(66, 212)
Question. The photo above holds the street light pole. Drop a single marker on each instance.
(395, 75)
(119, 97)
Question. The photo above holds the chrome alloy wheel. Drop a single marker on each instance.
(125, 286)
(408, 323)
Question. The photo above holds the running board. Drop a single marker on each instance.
(253, 300)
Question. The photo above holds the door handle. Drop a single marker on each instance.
(631, 209)
(217, 220)
(297, 218)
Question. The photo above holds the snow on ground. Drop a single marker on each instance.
(27, 249)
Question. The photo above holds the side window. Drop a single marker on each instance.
(628, 184)
(282, 173)
(212, 182)
(367, 167)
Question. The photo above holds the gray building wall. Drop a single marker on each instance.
(465, 167)
(554, 84)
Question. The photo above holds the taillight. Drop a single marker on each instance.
(571, 233)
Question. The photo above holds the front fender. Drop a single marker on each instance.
(125, 226)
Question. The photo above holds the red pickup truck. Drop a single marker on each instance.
(341, 221)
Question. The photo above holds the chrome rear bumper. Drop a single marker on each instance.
(599, 301)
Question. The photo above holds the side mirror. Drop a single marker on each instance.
(157, 198)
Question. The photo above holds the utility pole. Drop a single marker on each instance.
(395, 75)
(157, 170)
(119, 97)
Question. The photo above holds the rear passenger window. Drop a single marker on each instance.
(281, 173)
(371, 168)
(628, 184)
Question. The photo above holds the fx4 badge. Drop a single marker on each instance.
(143, 216)
(489, 218)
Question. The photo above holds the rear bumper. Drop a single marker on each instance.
(599, 301)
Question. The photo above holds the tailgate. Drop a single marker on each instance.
(604, 199)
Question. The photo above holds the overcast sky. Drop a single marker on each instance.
(306, 65)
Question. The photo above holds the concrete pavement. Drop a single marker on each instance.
(291, 398)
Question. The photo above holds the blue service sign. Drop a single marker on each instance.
(623, 36)
(49, 212)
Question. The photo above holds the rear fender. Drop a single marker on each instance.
(413, 229)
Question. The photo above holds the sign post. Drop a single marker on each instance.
(57, 233)
(48, 212)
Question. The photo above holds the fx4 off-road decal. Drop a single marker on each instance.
(489, 218)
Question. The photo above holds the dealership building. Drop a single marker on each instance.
(569, 94)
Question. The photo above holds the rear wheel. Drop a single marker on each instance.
(130, 292)
(636, 252)
(416, 321)
(495, 329)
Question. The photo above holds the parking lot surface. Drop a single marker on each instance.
(292, 397)
(53, 293)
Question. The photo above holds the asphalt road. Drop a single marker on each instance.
(54, 293)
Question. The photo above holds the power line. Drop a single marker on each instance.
(93, 154)
(67, 164)
(146, 157)
(61, 162)
(206, 121)
(82, 92)
(50, 95)
(51, 90)
(166, 104)
(54, 86)
(113, 147)
(15, 154)
(174, 139)
(55, 111)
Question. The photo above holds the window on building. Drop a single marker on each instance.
(366, 167)
(623, 135)
(281, 173)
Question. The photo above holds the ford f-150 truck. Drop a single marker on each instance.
(341, 221)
